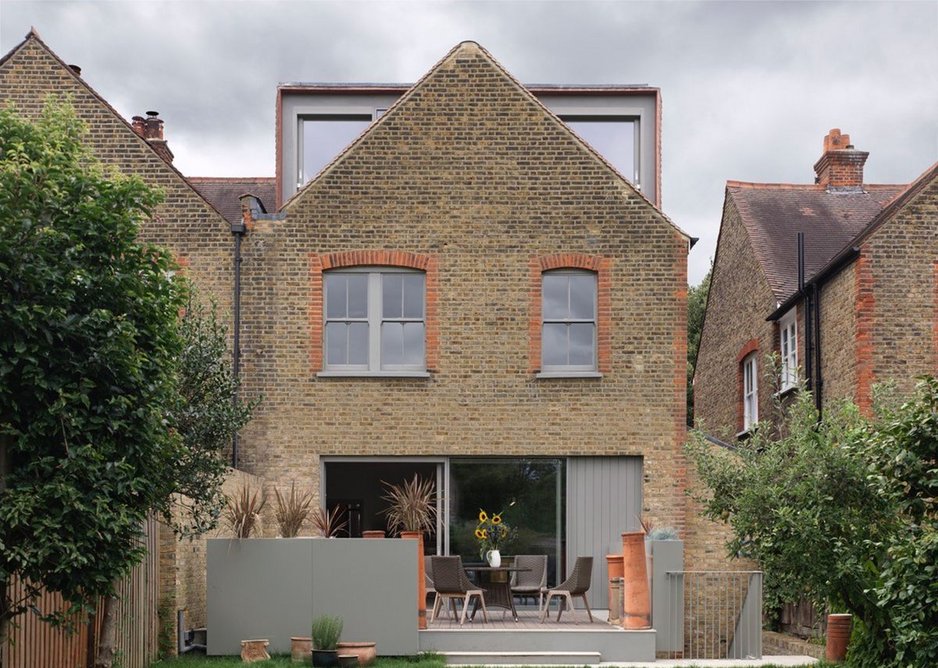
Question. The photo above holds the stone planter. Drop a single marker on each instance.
(838, 637)
(300, 649)
(614, 565)
(254, 650)
(367, 652)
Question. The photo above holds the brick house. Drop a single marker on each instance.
(855, 303)
(470, 292)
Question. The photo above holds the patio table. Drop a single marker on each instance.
(497, 587)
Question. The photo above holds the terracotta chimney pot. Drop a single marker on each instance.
(841, 165)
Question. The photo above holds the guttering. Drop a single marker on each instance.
(238, 230)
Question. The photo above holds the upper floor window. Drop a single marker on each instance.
(375, 320)
(613, 137)
(788, 349)
(322, 138)
(568, 311)
(750, 392)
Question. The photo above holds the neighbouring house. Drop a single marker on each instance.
(853, 303)
(471, 292)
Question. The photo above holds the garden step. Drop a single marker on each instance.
(523, 658)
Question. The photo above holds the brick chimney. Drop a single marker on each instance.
(151, 129)
(841, 165)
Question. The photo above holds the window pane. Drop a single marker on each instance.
(613, 138)
(554, 290)
(336, 348)
(357, 295)
(392, 343)
(413, 295)
(581, 344)
(325, 138)
(554, 344)
(392, 295)
(358, 343)
(335, 295)
(413, 343)
(583, 296)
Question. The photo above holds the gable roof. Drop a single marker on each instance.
(33, 37)
(452, 61)
(225, 193)
(774, 213)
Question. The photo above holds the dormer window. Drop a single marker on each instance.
(616, 138)
(323, 137)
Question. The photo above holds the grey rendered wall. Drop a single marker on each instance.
(667, 595)
(272, 588)
(604, 498)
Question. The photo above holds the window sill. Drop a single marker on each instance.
(744, 435)
(373, 374)
(785, 391)
(568, 374)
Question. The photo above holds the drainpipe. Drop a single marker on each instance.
(808, 318)
(819, 386)
(238, 230)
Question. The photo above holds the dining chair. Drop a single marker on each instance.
(451, 583)
(428, 575)
(576, 585)
(532, 581)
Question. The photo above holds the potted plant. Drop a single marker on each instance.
(243, 513)
(327, 524)
(412, 511)
(326, 631)
(291, 511)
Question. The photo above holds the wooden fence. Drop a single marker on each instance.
(36, 644)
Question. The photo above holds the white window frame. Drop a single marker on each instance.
(558, 370)
(374, 318)
(750, 391)
(788, 349)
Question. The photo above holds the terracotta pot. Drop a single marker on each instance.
(366, 652)
(254, 650)
(372, 534)
(614, 566)
(300, 649)
(636, 601)
(838, 637)
(421, 578)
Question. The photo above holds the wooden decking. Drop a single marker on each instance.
(528, 620)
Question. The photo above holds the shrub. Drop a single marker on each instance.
(327, 630)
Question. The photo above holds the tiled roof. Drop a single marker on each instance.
(223, 193)
(774, 213)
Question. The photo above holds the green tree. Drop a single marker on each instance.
(109, 406)
(843, 512)
(696, 308)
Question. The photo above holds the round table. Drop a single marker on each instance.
(497, 589)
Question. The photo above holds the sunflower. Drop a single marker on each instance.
(496, 519)
(480, 534)
(483, 517)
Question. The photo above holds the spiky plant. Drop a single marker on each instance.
(411, 505)
(243, 512)
(326, 632)
(326, 523)
(292, 511)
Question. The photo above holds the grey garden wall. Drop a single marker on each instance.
(273, 587)
(667, 595)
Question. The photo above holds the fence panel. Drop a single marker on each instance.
(35, 644)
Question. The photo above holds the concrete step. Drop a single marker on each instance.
(522, 658)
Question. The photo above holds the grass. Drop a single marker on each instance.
(424, 661)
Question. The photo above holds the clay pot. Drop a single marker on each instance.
(614, 566)
(367, 652)
(838, 637)
(373, 534)
(254, 650)
(636, 599)
(300, 649)
(421, 577)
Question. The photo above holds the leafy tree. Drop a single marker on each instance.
(109, 406)
(696, 308)
(843, 512)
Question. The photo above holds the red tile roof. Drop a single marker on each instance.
(223, 193)
(774, 213)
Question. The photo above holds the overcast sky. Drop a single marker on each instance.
(749, 88)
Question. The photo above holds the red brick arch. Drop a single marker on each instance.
(318, 263)
(596, 263)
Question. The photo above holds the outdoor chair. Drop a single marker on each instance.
(576, 585)
(533, 581)
(451, 583)
(428, 575)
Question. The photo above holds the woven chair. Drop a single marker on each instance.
(428, 575)
(533, 581)
(451, 583)
(576, 585)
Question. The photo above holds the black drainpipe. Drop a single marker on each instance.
(808, 320)
(238, 230)
(819, 385)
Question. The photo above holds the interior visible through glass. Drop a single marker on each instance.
(324, 137)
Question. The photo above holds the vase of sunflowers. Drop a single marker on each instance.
(492, 533)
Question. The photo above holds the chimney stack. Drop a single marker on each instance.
(841, 165)
(151, 129)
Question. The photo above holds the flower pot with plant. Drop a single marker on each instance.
(292, 511)
(327, 523)
(326, 631)
(492, 534)
(412, 511)
(243, 512)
